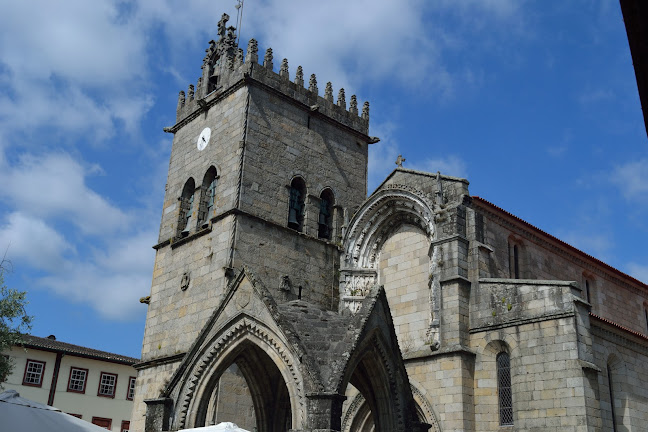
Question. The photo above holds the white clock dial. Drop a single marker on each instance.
(203, 139)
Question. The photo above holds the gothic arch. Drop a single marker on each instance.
(374, 372)
(384, 211)
(248, 340)
(372, 225)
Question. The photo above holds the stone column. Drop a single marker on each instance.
(325, 411)
(158, 413)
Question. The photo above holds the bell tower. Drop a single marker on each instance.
(263, 174)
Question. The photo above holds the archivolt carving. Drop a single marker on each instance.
(422, 403)
(191, 392)
(372, 225)
(384, 211)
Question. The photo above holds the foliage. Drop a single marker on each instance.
(14, 321)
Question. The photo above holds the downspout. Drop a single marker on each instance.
(57, 367)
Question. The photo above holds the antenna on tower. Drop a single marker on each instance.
(239, 19)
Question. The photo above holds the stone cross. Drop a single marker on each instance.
(399, 161)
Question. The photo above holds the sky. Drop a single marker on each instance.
(534, 102)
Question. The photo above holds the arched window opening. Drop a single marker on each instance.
(325, 219)
(250, 392)
(588, 293)
(504, 391)
(296, 204)
(646, 316)
(515, 257)
(186, 208)
(208, 197)
(610, 387)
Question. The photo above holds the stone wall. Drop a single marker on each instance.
(404, 272)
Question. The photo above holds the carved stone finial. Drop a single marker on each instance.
(399, 161)
(191, 92)
(283, 70)
(353, 105)
(299, 76)
(328, 92)
(267, 59)
(252, 52)
(365, 111)
(239, 57)
(222, 26)
(229, 63)
(312, 84)
(181, 100)
(341, 99)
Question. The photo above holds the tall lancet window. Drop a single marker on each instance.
(325, 219)
(208, 197)
(505, 395)
(296, 204)
(186, 208)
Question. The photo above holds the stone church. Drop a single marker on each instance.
(285, 299)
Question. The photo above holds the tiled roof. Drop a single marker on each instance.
(619, 326)
(48, 344)
(562, 243)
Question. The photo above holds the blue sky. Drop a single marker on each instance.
(534, 102)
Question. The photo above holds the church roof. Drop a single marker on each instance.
(567, 246)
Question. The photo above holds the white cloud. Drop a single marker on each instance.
(31, 240)
(54, 185)
(449, 165)
(78, 67)
(111, 281)
(632, 179)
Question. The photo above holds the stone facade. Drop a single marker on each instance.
(282, 297)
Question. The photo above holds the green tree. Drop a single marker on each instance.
(14, 321)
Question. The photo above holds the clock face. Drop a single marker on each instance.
(203, 139)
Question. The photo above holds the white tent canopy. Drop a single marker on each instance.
(220, 427)
(24, 415)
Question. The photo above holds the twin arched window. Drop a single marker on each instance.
(187, 214)
(297, 209)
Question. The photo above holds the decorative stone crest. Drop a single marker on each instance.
(365, 111)
(283, 70)
(267, 59)
(341, 99)
(252, 52)
(299, 76)
(328, 92)
(312, 84)
(353, 105)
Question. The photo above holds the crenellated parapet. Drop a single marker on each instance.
(226, 67)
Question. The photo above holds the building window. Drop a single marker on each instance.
(504, 392)
(588, 293)
(296, 205)
(208, 197)
(107, 384)
(186, 208)
(125, 426)
(105, 423)
(610, 387)
(130, 394)
(325, 220)
(515, 258)
(77, 380)
(34, 371)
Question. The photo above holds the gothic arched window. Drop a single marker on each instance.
(186, 207)
(296, 204)
(208, 197)
(504, 391)
(325, 219)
